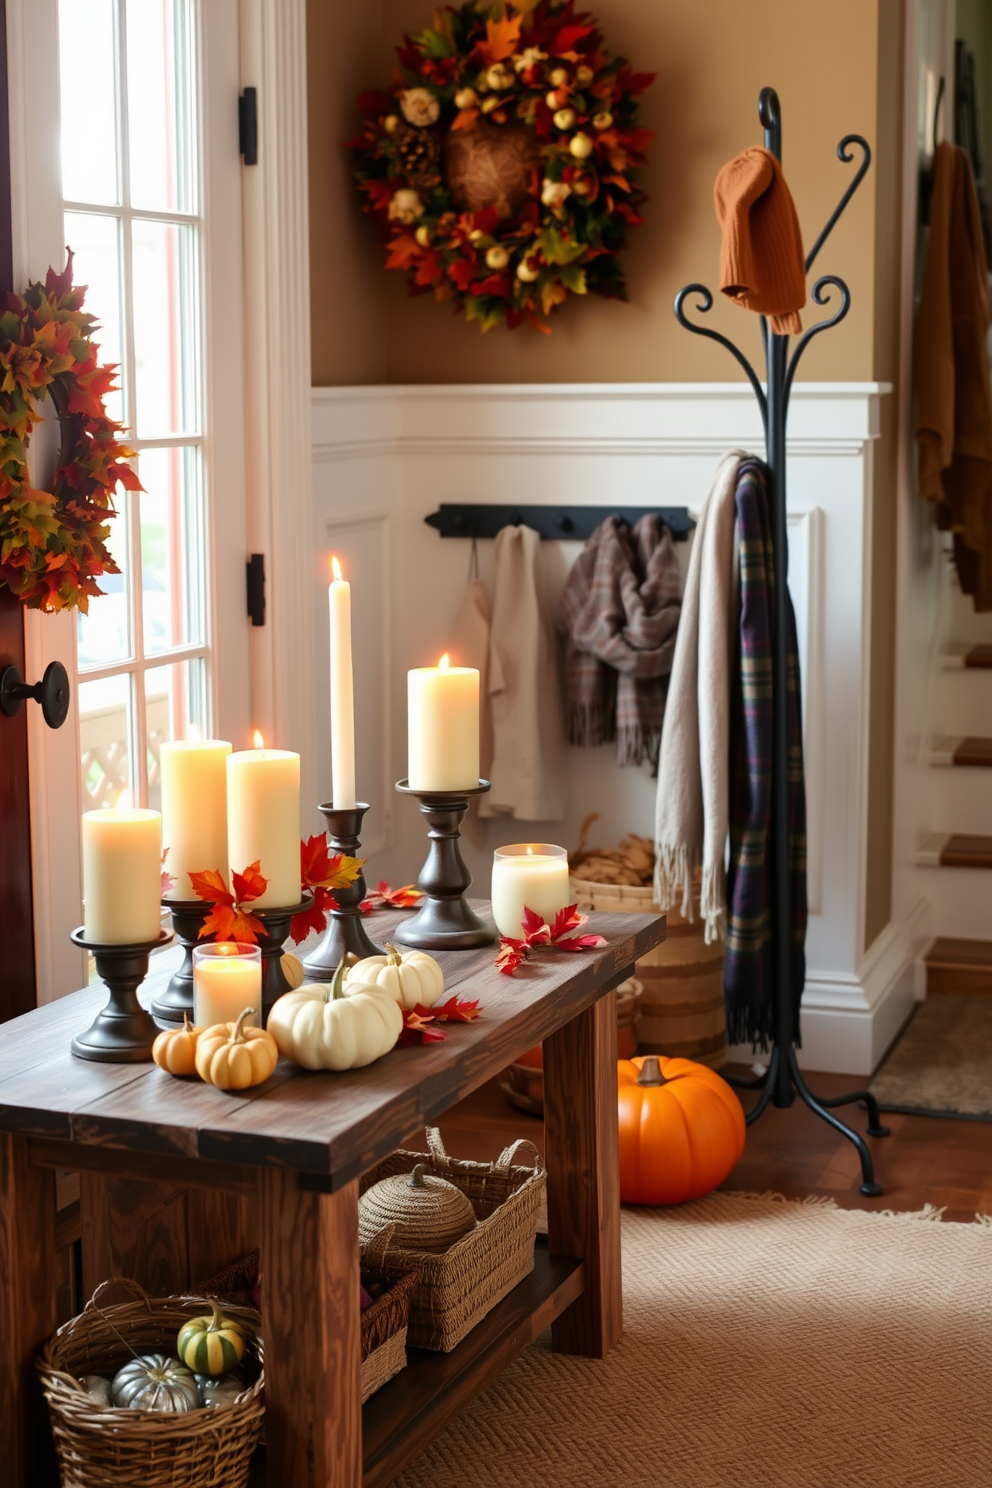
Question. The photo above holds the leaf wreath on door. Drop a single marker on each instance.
(53, 544)
(501, 166)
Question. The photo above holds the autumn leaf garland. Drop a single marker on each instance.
(539, 935)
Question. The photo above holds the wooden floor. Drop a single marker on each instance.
(925, 1160)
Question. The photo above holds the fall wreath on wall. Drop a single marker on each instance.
(501, 166)
(53, 544)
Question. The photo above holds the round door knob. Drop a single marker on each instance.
(52, 692)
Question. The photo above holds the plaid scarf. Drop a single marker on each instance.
(749, 976)
(619, 614)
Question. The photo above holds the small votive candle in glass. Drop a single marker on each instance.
(227, 978)
(532, 875)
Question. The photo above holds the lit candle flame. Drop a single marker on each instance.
(125, 801)
(258, 740)
(194, 734)
(335, 570)
(444, 663)
(530, 850)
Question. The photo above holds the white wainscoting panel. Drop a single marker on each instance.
(385, 457)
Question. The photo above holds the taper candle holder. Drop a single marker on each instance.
(276, 920)
(122, 1032)
(175, 1000)
(345, 934)
(445, 921)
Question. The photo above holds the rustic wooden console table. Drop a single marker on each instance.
(280, 1166)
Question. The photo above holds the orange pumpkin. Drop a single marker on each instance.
(681, 1130)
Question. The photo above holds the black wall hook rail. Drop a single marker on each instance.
(783, 1079)
(561, 523)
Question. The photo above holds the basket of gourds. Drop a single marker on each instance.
(157, 1392)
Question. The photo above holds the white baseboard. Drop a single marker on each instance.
(848, 1022)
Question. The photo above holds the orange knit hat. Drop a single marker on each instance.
(762, 264)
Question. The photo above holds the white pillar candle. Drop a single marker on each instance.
(226, 980)
(194, 809)
(443, 727)
(263, 819)
(531, 874)
(343, 790)
(122, 876)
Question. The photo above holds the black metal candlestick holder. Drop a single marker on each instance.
(122, 1032)
(345, 934)
(176, 999)
(272, 942)
(445, 921)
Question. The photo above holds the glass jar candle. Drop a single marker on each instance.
(532, 875)
(227, 978)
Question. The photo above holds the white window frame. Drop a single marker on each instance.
(260, 475)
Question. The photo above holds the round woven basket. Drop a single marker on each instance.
(99, 1447)
(682, 1009)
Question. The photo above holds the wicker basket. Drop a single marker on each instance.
(384, 1324)
(523, 1082)
(99, 1447)
(457, 1288)
(682, 1010)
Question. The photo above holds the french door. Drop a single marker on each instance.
(134, 163)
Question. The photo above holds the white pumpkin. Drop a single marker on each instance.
(323, 1026)
(408, 976)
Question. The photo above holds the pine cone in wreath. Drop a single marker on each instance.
(419, 156)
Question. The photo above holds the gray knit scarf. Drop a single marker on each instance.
(619, 615)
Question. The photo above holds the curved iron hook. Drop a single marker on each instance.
(843, 153)
(705, 304)
(770, 118)
(822, 297)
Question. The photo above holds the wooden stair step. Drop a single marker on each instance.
(971, 657)
(953, 749)
(954, 850)
(959, 967)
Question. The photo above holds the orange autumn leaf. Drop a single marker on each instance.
(502, 38)
(401, 252)
(210, 885)
(323, 870)
(465, 119)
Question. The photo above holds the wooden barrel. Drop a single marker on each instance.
(682, 1009)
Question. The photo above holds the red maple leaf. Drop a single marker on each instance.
(385, 897)
(452, 1011)
(211, 886)
(314, 918)
(510, 955)
(418, 1028)
(250, 884)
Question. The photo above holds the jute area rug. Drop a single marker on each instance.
(942, 1064)
(767, 1344)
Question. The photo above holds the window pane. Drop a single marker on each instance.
(161, 122)
(105, 740)
(172, 560)
(95, 241)
(104, 634)
(175, 699)
(166, 340)
(87, 66)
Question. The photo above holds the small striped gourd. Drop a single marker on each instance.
(211, 1345)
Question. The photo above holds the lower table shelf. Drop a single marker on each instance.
(409, 1411)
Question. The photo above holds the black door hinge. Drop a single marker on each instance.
(255, 573)
(248, 125)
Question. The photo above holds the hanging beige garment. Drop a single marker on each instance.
(470, 647)
(524, 687)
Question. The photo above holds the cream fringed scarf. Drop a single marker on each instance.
(693, 803)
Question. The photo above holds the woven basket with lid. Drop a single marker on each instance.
(426, 1212)
(99, 1447)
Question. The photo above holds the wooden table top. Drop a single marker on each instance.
(332, 1125)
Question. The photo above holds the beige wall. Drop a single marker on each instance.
(838, 70)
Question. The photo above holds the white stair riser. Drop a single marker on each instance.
(960, 901)
(959, 799)
(963, 701)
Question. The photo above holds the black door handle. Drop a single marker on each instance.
(52, 692)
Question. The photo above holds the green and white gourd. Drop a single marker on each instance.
(211, 1345)
(156, 1383)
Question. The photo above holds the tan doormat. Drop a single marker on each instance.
(767, 1344)
(942, 1063)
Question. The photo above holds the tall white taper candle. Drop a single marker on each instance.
(343, 789)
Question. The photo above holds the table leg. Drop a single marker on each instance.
(27, 1313)
(581, 1145)
(310, 1278)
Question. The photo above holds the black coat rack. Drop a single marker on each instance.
(783, 1080)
